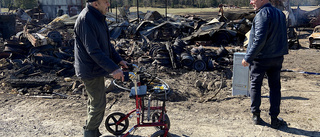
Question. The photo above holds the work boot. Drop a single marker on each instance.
(98, 133)
(91, 133)
(277, 122)
(256, 119)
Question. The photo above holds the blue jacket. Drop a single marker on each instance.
(94, 55)
(268, 36)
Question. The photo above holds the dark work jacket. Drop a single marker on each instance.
(268, 36)
(94, 55)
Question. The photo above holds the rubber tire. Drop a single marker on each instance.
(199, 65)
(116, 116)
(160, 134)
(155, 118)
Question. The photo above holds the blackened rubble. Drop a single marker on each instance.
(38, 59)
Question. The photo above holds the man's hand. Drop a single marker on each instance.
(118, 74)
(123, 64)
(245, 63)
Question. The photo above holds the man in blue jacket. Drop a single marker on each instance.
(266, 48)
(95, 58)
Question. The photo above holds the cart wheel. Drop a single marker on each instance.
(156, 118)
(160, 133)
(111, 121)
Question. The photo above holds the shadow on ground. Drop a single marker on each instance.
(289, 97)
(294, 131)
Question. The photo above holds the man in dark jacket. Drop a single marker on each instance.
(266, 48)
(95, 58)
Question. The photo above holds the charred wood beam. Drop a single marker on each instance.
(31, 82)
(22, 70)
(36, 39)
(34, 74)
(172, 55)
(4, 55)
(46, 60)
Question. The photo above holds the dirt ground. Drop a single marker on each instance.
(193, 112)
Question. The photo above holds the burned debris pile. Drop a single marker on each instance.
(34, 59)
(38, 58)
(178, 42)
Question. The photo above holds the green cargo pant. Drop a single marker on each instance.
(96, 102)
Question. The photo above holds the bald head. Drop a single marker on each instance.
(257, 4)
(101, 5)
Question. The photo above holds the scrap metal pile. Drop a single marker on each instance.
(179, 42)
(40, 56)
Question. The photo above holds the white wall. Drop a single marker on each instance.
(50, 7)
(60, 2)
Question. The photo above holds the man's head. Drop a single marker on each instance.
(100, 5)
(257, 4)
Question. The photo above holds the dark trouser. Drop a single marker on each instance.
(271, 67)
(96, 102)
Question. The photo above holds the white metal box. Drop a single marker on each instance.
(241, 75)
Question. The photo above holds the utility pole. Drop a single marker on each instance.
(110, 6)
(138, 11)
(166, 5)
(0, 5)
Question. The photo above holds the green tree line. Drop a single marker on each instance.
(27, 4)
(23, 4)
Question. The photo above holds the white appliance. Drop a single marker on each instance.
(241, 75)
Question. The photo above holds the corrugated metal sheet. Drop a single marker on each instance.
(70, 7)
